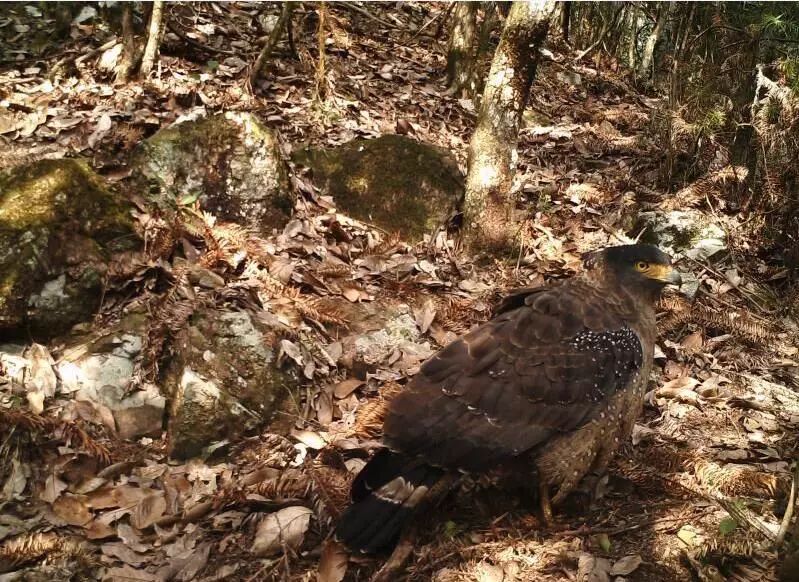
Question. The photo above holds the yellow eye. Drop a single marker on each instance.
(641, 266)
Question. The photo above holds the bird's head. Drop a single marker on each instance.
(641, 269)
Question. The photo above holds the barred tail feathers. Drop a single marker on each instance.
(384, 494)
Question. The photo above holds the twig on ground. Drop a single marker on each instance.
(94, 52)
(364, 12)
(786, 519)
(195, 43)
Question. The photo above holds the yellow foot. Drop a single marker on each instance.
(546, 506)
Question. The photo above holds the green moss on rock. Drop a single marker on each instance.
(395, 182)
(230, 162)
(59, 224)
(221, 383)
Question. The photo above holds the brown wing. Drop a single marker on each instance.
(516, 381)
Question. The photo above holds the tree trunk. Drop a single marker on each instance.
(320, 85)
(617, 31)
(606, 27)
(127, 63)
(565, 20)
(271, 43)
(680, 41)
(651, 42)
(153, 38)
(460, 51)
(632, 47)
(492, 151)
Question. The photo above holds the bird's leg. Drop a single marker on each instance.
(543, 500)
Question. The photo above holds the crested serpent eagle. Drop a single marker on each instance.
(556, 377)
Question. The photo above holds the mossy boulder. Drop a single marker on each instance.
(222, 381)
(229, 162)
(59, 226)
(395, 182)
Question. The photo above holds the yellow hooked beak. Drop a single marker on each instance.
(664, 273)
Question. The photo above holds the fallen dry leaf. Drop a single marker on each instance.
(128, 574)
(425, 315)
(309, 438)
(53, 487)
(148, 511)
(283, 529)
(333, 563)
(73, 509)
(626, 565)
(347, 387)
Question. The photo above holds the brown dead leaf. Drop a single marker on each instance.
(97, 530)
(185, 566)
(347, 387)
(324, 408)
(626, 565)
(282, 270)
(683, 382)
(53, 487)
(284, 528)
(333, 563)
(352, 294)
(41, 376)
(592, 569)
(123, 553)
(684, 395)
(128, 574)
(119, 496)
(128, 535)
(425, 315)
(693, 342)
(73, 509)
(148, 511)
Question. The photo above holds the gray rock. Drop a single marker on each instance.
(690, 233)
(100, 367)
(380, 335)
(59, 226)
(230, 162)
(221, 382)
(395, 182)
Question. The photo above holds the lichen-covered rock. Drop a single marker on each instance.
(379, 334)
(395, 182)
(99, 368)
(59, 225)
(222, 381)
(692, 233)
(230, 162)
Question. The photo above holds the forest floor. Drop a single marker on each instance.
(719, 430)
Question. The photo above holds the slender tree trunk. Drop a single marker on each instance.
(127, 63)
(320, 92)
(679, 50)
(617, 31)
(271, 43)
(492, 151)
(652, 40)
(565, 20)
(153, 38)
(606, 27)
(632, 47)
(460, 50)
